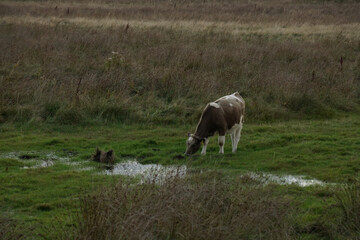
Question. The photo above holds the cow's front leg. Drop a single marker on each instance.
(203, 151)
(221, 143)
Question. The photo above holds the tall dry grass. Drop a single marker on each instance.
(203, 207)
(210, 206)
(348, 199)
(69, 72)
(244, 11)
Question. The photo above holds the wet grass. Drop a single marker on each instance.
(325, 150)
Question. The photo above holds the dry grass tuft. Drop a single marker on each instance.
(348, 199)
(200, 207)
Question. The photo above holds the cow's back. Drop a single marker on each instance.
(233, 107)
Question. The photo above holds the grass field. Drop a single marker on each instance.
(134, 76)
(323, 150)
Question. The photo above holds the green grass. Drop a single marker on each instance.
(326, 150)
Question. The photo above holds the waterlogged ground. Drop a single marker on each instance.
(44, 169)
(156, 173)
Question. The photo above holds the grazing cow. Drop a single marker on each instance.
(225, 115)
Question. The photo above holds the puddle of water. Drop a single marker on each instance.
(29, 155)
(53, 156)
(299, 180)
(41, 164)
(39, 159)
(85, 169)
(148, 172)
(15, 155)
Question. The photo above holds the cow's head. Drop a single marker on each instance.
(193, 144)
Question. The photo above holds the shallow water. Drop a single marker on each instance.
(39, 159)
(147, 172)
(41, 164)
(299, 180)
(85, 169)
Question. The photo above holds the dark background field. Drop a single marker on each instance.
(288, 59)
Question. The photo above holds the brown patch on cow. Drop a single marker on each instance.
(104, 157)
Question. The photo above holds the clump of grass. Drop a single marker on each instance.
(49, 110)
(70, 115)
(348, 199)
(199, 207)
(20, 113)
(308, 106)
(10, 229)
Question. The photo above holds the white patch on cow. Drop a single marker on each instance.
(232, 96)
(230, 104)
(236, 98)
(221, 144)
(190, 140)
(215, 105)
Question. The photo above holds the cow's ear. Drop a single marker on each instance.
(189, 134)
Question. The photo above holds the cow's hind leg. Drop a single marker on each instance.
(233, 140)
(221, 143)
(237, 137)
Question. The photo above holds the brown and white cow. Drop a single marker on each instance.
(225, 115)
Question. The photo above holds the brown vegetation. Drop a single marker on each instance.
(244, 11)
(201, 207)
(86, 66)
